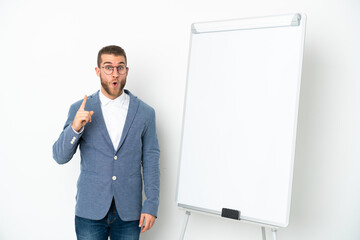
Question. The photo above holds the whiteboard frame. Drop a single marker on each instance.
(297, 20)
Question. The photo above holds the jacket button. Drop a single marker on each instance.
(114, 178)
(115, 158)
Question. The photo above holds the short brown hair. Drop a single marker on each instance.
(113, 50)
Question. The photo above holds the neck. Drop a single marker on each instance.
(112, 97)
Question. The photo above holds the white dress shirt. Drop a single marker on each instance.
(114, 113)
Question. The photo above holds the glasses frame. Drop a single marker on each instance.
(117, 69)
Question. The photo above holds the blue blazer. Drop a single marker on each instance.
(108, 173)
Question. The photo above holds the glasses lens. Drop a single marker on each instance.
(121, 69)
(108, 69)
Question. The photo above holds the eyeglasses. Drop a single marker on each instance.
(108, 69)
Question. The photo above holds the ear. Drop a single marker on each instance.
(97, 70)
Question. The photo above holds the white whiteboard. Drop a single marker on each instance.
(240, 117)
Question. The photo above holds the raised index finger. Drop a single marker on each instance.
(82, 106)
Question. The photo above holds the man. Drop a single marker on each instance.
(116, 135)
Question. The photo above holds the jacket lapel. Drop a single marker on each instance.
(99, 118)
(133, 108)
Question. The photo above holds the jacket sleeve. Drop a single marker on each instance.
(65, 147)
(151, 170)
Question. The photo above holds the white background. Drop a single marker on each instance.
(47, 58)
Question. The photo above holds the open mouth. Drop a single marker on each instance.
(115, 84)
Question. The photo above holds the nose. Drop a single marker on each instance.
(115, 73)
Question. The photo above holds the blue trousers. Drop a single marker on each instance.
(110, 226)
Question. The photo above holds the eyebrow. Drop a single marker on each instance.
(111, 63)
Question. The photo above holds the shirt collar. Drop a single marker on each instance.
(105, 100)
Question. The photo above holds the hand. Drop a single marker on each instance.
(147, 220)
(82, 117)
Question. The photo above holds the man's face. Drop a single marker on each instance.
(112, 84)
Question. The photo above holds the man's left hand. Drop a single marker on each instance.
(146, 222)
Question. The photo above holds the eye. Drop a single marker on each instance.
(108, 67)
(121, 67)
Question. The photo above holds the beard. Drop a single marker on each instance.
(110, 90)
